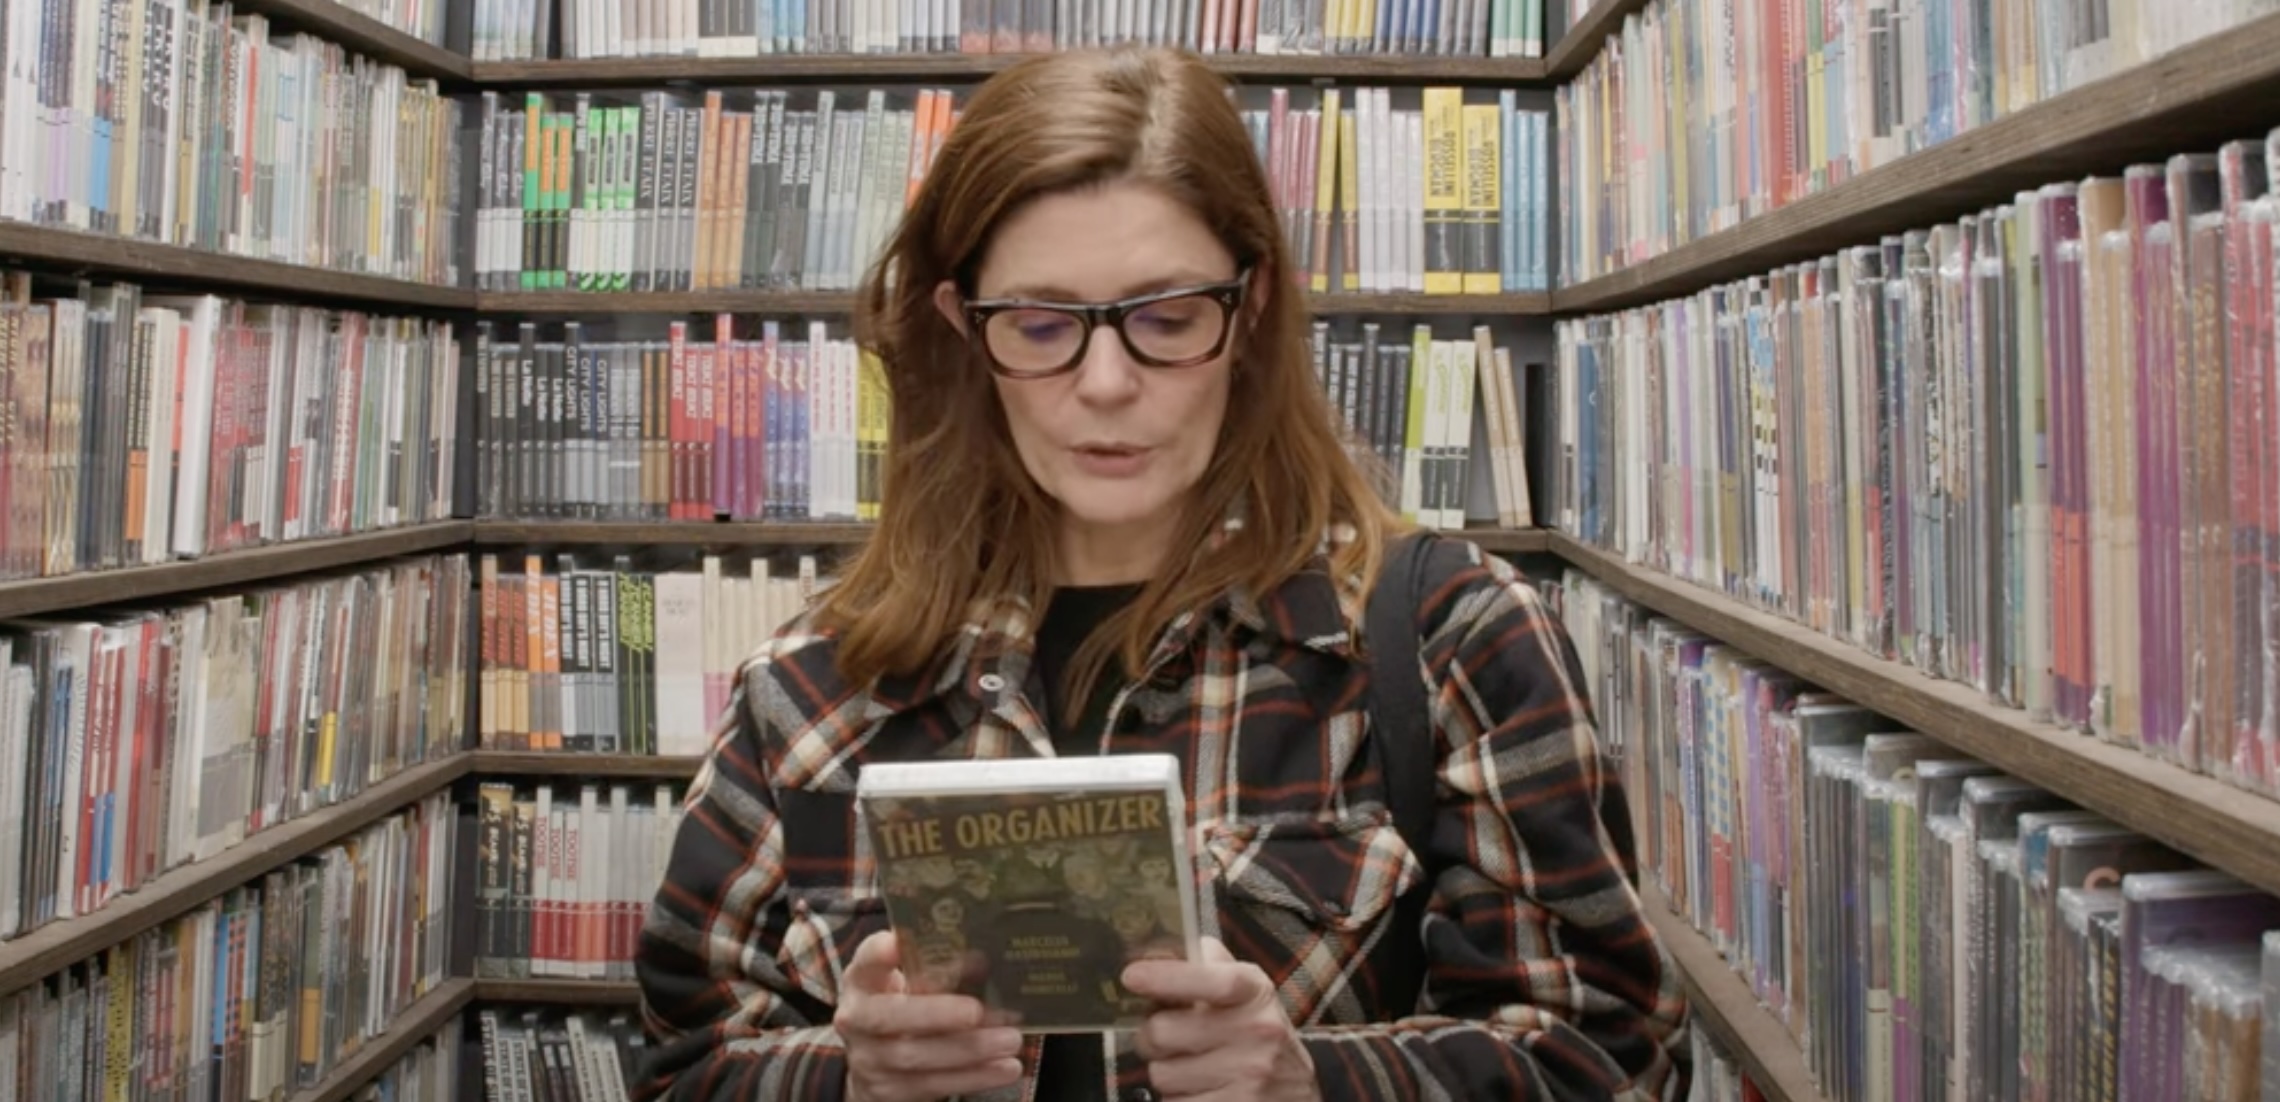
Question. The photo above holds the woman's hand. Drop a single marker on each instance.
(1220, 1033)
(915, 1048)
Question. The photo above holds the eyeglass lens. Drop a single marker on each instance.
(1174, 330)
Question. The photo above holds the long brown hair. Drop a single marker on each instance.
(961, 520)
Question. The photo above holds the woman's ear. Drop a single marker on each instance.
(1256, 296)
(952, 304)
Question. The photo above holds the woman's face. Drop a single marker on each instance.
(1118, 444)
(1134, 920)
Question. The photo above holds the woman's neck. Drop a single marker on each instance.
(1095, 555)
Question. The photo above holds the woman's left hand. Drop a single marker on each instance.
(1219, 1033)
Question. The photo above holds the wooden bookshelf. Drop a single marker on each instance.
(549, 763)
(969, 68)
(360, 33)
(1724, 1005)
(418, 1022)
(841, 302)
(2218, 89)
(27, 959)
(686, 533)
(39, 596)
(171, 267)
(2222, 826)
(1581, 43)
(583, 994)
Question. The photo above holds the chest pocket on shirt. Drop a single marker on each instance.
(829, 914)
(1305, 898)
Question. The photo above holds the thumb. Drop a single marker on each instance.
(876, 966)
(1215, 952)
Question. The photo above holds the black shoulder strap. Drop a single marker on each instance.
(1401, 727)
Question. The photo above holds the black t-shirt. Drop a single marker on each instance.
(1071, 1068)
(1070, 618)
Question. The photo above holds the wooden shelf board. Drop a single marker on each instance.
(855, 68)
(1724, 1005)
(38, 596)
(360, 33)
(832, 303)
(1581, 43)
(1506, 540)
(1520, 304)
(173, 267)
(2195, 98)
(739, 534)
(553, 992)
(28, 959)
(686, 533)
(537, 763)
(419, 1021)
(1527, 304)
(2222, 826)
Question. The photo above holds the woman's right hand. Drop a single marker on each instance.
(903, 1047)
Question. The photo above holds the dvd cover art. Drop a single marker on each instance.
(1033, 902)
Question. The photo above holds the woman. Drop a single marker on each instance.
(1124, 524)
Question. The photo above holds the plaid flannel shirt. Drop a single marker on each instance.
(1544, 979)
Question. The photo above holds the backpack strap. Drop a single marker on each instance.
(1401, 725)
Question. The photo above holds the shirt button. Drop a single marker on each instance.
(991, 683)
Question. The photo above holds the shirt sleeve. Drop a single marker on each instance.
(1544, 978)
(716, 984)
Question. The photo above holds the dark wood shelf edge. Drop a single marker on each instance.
(808, 68)
(2225, 827)
(1517, 304)
(665, 302)
(37, 596)
(1575, 49)
(28, 959)
(559, 992)
(497, 764)
(692, 533)
(571, 533)
(1724, 1005)
(2218, 88)
(128, 258)
(419, 1021)
(1505, 541)
(360, 33)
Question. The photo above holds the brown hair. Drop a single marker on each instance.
(961, 519)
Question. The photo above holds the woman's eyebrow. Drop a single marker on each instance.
(1053, 292)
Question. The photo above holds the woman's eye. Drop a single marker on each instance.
(1042, 328)
(1169, 320)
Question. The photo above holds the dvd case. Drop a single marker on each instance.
(2037, 918)
(1990, 811)
(1938, 991)
(2221, 1016)
(2271, 995)
(1887, 794)
(2174, 911)
(1030, 883)
(2084, 1029)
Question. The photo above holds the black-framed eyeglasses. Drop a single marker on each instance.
(1180, 327)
